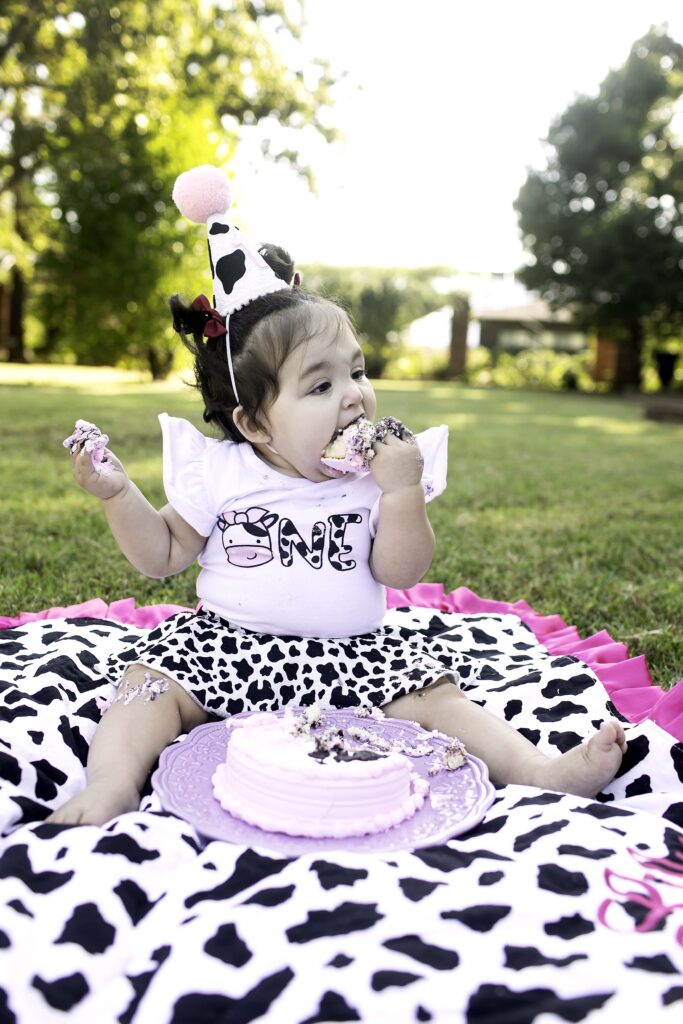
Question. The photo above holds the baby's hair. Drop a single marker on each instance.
(262, 335)
(279, 261)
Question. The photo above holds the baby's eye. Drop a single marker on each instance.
(321, 388)
(359, 373)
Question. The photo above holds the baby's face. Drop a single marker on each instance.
(323, 388)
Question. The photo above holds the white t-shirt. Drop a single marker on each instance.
(284, 555)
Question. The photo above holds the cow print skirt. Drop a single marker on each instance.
(227, 669)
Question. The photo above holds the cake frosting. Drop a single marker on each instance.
(89, 436)
(351, 451)
(281, 777)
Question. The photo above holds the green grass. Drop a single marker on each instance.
(572, 502)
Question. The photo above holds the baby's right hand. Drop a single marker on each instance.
(103, 485)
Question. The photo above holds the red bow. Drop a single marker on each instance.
(214, 326)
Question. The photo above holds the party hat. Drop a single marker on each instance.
(240, 274)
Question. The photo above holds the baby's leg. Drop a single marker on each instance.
(509, 756)
(126, 744)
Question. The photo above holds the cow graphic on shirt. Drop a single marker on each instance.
(245, 536)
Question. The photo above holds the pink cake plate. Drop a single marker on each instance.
(457, 800)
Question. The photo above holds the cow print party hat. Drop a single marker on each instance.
(240, 274)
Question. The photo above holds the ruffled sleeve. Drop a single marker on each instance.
(433, 444)
(184, 464)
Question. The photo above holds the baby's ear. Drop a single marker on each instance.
(249, 427)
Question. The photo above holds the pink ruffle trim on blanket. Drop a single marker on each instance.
(124, 611)
(626, 680)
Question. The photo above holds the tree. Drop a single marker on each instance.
(603, 221)
(457, 349)
(103, 106)
(382, 302)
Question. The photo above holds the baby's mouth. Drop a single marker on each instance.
(340, 430)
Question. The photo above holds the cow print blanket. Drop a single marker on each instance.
(553, 908)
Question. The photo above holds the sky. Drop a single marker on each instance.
(441, 107)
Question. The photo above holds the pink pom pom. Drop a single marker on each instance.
(202, 193)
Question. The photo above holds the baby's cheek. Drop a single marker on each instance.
(370, 403)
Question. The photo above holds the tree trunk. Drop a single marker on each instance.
(627, 372)
(665, 363)
(457, 353)
(16, 352)
(160, 362)
(605, 359)
(51, 341)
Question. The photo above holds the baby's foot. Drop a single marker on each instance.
(95, 805)
(585, 769)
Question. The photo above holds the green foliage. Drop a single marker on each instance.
(537, 369)
(412, 363)
(381, 303)
(546, 370)
(542, 369)
(104, 105)
(603, 221)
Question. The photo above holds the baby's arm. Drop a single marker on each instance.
(404, 544)
(157, 543)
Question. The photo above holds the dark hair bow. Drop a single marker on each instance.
(214, 326)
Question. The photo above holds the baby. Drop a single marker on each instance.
(295, 556)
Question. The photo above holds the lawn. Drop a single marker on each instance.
(573, 502)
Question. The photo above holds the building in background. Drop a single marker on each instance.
(504, 317)
(533, 325)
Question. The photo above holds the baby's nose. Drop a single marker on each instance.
(353, 394)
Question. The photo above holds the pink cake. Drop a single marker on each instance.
(351, 451)
(284, 779)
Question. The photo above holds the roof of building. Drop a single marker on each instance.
(537, 311)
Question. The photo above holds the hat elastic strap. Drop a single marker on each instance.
(228, 356)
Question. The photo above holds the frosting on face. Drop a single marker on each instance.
(352, 451)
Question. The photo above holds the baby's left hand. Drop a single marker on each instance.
(397, 464)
